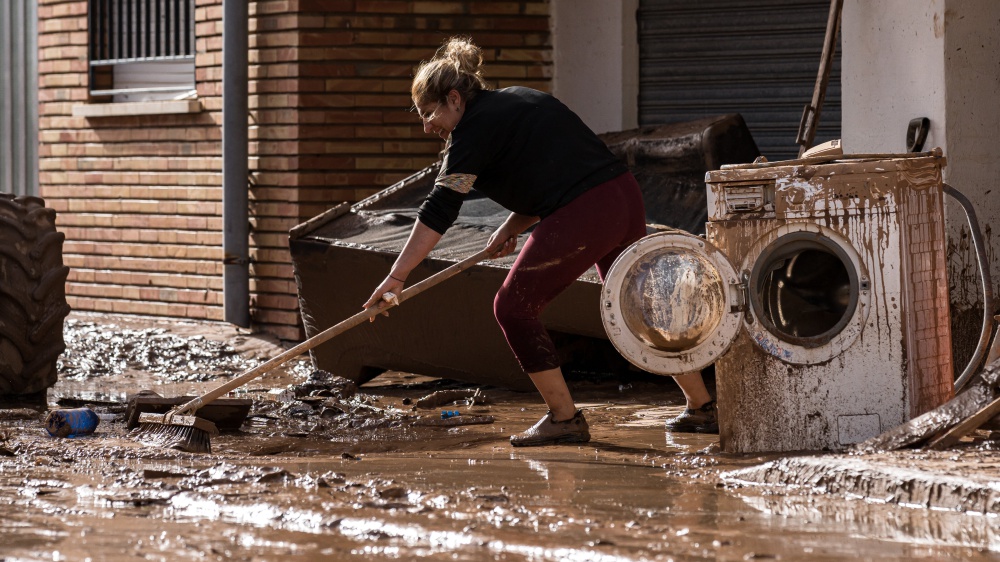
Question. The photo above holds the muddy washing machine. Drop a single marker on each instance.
(819, 292)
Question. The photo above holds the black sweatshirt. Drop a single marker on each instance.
(523, 149)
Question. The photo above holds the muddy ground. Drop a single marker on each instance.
(321, 470)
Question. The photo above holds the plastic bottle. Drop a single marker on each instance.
(71, 422)
(445, 414)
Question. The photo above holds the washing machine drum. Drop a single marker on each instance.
(670, 303)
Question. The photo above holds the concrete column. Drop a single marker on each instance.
(939, 59)
(892, 70)
(596, 61)
(971, 54)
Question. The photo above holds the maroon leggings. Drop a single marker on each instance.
(594, 228)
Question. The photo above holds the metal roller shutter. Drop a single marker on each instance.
(757, 58)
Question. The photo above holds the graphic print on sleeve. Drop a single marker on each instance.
(461, 183)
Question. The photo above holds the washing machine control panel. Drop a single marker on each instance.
(742, 200)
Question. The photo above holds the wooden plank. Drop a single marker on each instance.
(968, 425)
(810, 117)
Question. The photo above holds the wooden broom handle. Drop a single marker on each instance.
(330, 332)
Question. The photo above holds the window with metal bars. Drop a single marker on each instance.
(141, 49)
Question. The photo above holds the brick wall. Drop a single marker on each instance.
(139, 198)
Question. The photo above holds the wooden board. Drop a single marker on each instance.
(968, 425)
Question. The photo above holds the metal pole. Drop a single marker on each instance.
(235, 187)
(6, 104)
(19, 87)
(31, 96)
(811, 113)
(18, 97)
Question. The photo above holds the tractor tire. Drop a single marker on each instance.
(32, 296)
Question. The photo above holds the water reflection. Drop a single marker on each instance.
(915, 526)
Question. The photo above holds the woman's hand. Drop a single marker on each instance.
(388, 291)
(422, 239)
(504, 240)
(502, 243)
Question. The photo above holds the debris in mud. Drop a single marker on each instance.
(321, 416)
(140, 498)
(317, 406)
(98, 350)
(884, 479)
(330, 479)
(5, 450)
(156, 473)
(275, 475)
(19, 414)
(225, 473)
(72, 422)
(328, 406)
(80, 402)
(393, 493)
(493, 497)
(323, 384)
(331, 411)
(442, 397)
(454, 421)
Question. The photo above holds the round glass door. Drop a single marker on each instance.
(671, 303)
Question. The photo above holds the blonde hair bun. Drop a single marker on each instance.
(457, 65)
(464, 54)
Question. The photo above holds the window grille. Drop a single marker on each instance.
(139, 32)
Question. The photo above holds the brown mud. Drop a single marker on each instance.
(325, 470)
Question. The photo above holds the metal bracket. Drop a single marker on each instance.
(738, 290)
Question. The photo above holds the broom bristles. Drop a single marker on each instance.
(183, 433)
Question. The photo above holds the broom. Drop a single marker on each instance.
(180, 429)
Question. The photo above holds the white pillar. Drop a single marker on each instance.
(972, 82)
(892, 70)
(596, 61)
(939, 59)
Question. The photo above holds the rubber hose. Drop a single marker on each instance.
(984, 273)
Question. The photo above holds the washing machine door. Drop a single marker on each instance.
(808, 293)
(671, 303)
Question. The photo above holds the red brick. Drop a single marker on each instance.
(384, 6)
